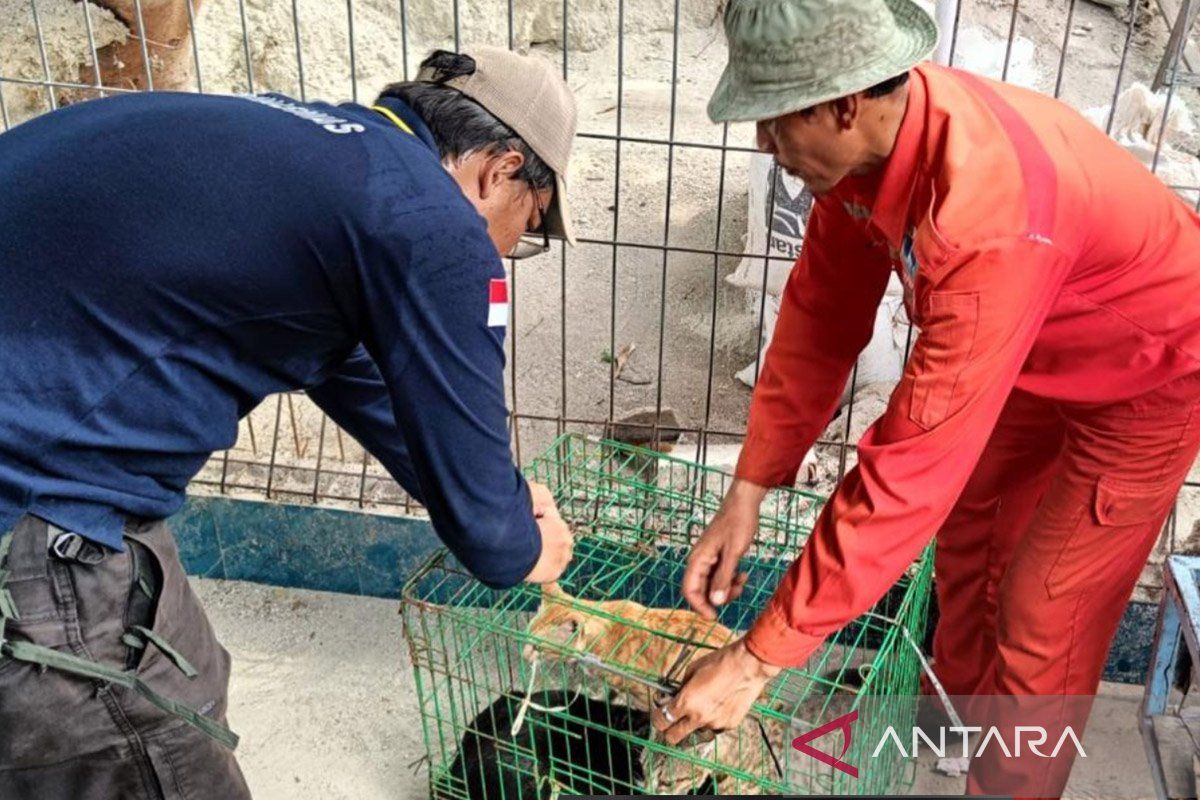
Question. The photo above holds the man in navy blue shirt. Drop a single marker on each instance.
(169, 260)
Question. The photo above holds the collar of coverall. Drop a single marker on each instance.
(892, 188)
(410, 118)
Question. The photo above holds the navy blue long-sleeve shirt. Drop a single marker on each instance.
(168, 260)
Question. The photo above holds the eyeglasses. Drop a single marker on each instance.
(532, 243)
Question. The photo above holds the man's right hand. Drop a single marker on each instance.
(557, 548)
(710, 580)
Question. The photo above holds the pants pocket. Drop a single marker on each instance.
(190, 766)
(145, 586)
(185, 637)
(1119, 519)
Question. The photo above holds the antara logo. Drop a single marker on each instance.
(843, 724)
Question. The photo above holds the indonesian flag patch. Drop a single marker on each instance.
(498, 303)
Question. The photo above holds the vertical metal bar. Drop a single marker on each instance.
(225, 454)
(662, 297)
(846, 445)
(91, 35)
(1062, 58)
(947, 20)
(296, 446)
(457, 30)
(37, 25)
(362, 480)
(1112, 108)
(137, 8)
(4, 109)
(560, 428)
(404, 35)
(353, 65)
(1184, 11)
(716, 283)
(516, 421)
(299, 56)
(246, 47)
(954, 31)
(566, 35)
(274, 444)
(776, 179)
(612, 319)
(1012, 32)
(320, 456)
(191, 9)
(1177, 42)
(562, 280)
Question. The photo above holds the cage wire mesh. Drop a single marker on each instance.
(583, 656)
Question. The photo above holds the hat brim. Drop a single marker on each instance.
(558, 215)
(735, 101)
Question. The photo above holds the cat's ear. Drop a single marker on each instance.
(565, 630)
(553, 590)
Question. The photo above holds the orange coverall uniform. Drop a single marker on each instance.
(1048, 413)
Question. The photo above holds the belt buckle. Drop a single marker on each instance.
(70, 546)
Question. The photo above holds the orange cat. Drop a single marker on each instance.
(643, 641)
(648, 642)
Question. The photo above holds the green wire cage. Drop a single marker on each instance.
(529, 694)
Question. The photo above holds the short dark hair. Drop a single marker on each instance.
(884, 88)
(881, 89)
(461, 126)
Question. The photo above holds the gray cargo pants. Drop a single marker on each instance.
(65, 737)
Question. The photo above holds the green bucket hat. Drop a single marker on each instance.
(786, 55)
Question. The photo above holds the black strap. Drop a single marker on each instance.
(65, 662)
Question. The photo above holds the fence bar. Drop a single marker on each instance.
(37, 25)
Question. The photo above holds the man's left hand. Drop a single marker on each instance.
(717, 693)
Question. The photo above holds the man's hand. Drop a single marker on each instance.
(709, 580)
(543, 499)
(717, 693)
(557, 542)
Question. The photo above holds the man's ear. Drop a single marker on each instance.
(846, 110)
(498, 170)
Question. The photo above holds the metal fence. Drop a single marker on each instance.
(638, 315)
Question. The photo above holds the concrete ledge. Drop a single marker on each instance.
(357, 553)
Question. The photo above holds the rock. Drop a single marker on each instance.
(638, 428)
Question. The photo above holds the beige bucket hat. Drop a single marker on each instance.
(787, 55)
(527, 94)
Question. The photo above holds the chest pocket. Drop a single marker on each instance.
(948, 330)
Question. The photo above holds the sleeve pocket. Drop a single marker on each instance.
(943, 352)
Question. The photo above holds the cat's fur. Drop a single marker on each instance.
(628, 635)
(492, 764)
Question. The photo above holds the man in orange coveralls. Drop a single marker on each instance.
(1050, 409)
